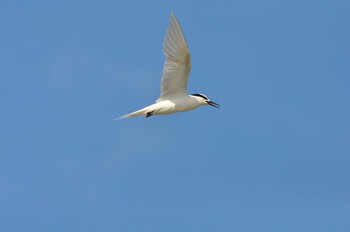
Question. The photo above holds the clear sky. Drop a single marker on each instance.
(275, 157)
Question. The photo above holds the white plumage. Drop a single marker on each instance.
(177, 65)
(174, 97)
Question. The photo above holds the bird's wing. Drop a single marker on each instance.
(177, 62)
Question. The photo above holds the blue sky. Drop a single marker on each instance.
(275, 157)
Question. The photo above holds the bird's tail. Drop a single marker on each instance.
(136, 113)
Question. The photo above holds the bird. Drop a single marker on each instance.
(174, 97)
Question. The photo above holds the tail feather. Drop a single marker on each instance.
(136, 113)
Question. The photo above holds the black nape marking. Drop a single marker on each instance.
(148, 114)
(200, 95)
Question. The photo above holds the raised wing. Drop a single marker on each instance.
(177, 62)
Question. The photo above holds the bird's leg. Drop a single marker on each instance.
(148, 114)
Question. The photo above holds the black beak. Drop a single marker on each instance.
(216, 105)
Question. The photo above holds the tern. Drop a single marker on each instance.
(174, 97)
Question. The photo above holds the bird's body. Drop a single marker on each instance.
(174, 97)
(174, 105)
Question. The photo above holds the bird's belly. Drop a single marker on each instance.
(169, 107)
(166, 108)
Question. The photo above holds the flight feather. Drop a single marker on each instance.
(177, 62)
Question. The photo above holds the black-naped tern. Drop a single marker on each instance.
(174, 97)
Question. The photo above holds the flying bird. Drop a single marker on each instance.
(174, 97)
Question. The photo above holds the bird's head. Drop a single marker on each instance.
(204, 100)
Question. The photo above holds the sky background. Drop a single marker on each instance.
(275, 157)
